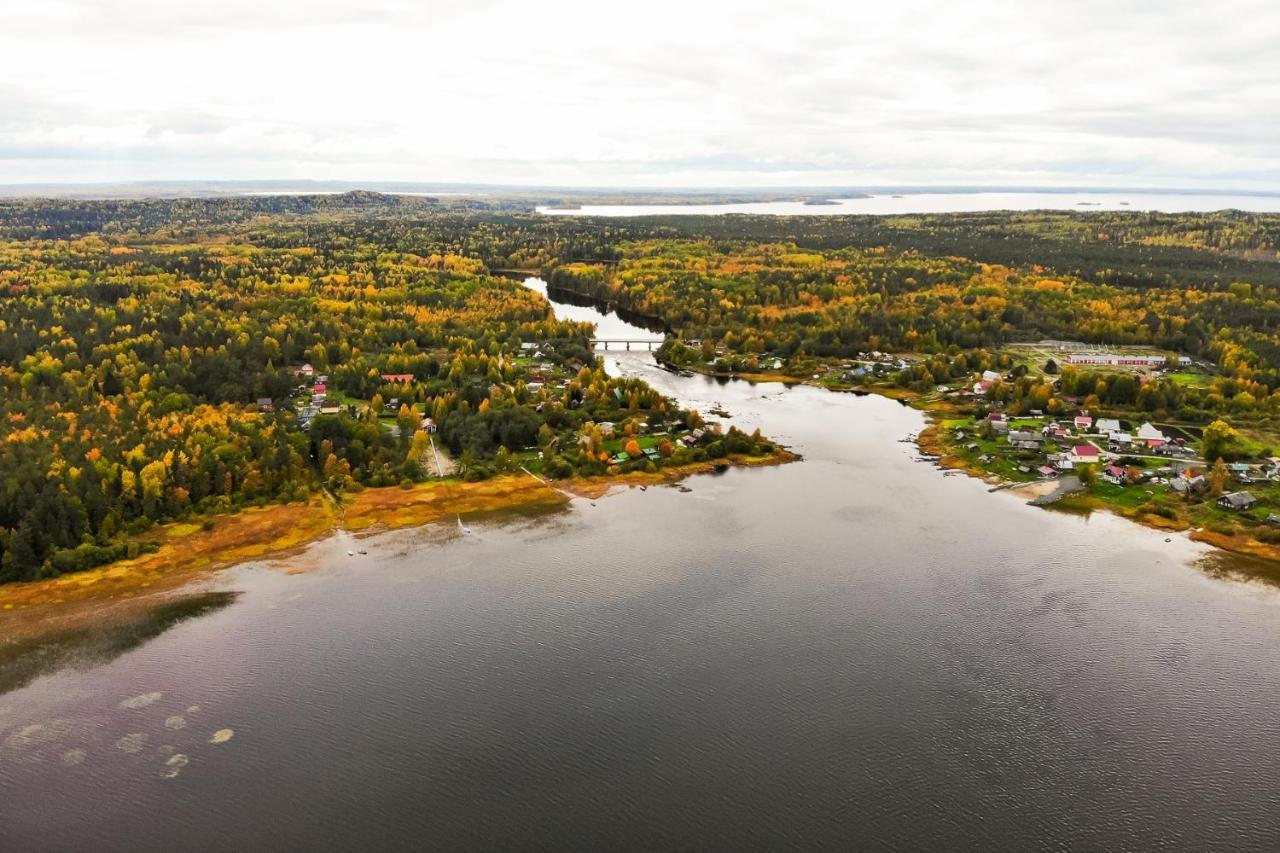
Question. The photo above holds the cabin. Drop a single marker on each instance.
(1237, 501)
(1085, 454)
(1115, 474)
(429, 424)
(266, 405)
(1047, 472)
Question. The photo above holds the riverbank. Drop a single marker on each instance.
(1071, 496)
(823, 381)
(1082, 499)
(187, 551)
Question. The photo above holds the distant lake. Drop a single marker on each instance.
(939, 202)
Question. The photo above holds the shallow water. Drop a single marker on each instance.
(854, 651)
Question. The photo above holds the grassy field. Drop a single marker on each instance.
(1190, 379)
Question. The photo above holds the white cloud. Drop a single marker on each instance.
(662, 93)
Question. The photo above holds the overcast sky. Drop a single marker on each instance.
(654, 93)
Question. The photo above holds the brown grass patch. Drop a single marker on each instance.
(1239, 543)
(186, 550)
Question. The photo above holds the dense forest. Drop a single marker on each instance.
(152, 352)
(145, 378)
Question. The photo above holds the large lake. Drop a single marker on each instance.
(949, 202)
(851, 652)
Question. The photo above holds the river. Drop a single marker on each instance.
(851, 652)
(951, 202)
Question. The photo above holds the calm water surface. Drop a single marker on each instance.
(853, 652)
(957, 202)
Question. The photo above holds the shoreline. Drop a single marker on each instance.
(930, 444)
(187, 552)
(1081, 501)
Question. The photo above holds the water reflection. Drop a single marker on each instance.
(99, 640)
(848, 652)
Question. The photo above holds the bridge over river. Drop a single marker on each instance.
(626, 343)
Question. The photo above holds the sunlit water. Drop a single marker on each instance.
(852, 652)
(957, 202)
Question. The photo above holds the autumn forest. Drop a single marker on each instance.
(164, 359)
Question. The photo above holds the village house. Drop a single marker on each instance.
(1237, 501)
(1026, 440)
(266, 405)
(693, 438)
(1242, 471)
(429, 424)
(1115, 474)
(1084, 454)
(1106, 426)
(306, 370)
(1082, 422)
(1149, 433)
(1189, 484)
(1120, 441)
